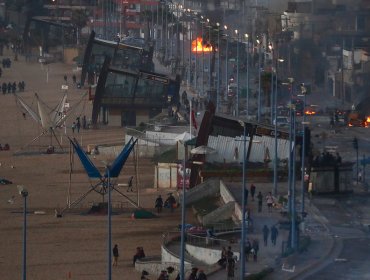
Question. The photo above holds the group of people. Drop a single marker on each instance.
(251, 249)
(169, 203)
(327, 159)
(76, 125)
(12, 87)
(5, 148)
(138, 255)
(273, 234)
(6, 62)
(270, 200)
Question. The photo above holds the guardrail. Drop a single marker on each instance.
(204, 241)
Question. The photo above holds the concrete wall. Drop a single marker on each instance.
(207, 255)
(220, 214)
(207, 188)
(225, 194)
(169, 257)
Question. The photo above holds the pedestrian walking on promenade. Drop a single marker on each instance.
(260, 199)
(253, 191)
(115, 255)
(269, 201)
(274, 234)
(255, 249)
(266, 232)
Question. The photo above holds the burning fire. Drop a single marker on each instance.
(309, 112)
(197, 46)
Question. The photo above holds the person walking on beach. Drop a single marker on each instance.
(260, 199)
(266, 232)
(159, 204)
(115, 255)
(253, 191)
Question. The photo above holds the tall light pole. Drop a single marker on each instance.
(202, 22)
(226, 60)
(247, 97)
(24, 193)
(209, 56)
(218, 66)
(183, 217)
(259, 82)
(244, 204)
(275, 129)
(237, 72)
(303, 93)
(109, 247)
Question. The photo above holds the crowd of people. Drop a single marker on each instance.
(12, 87)
(6, 147)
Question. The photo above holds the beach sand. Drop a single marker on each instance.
(74, 246)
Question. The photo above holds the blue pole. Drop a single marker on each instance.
(259, 85)
(24, 268)
(183, 207)
(218, 69)
(237, 74)
(247, 78)
(227, 66)
(275, 137)
(244, 204)
(294, 236)
(109, 227)
(303, 155)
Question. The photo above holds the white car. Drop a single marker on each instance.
(282, 121)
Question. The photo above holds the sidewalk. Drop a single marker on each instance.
(322, 243)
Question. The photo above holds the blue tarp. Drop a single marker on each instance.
(90, 168)
(114, 169)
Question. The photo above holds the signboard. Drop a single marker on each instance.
(180, 176)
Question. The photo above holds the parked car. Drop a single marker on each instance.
(281, 121)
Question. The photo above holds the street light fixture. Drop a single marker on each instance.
(244, 204)
(24, 193)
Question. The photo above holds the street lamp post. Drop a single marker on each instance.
(226, 60)
(24, 193)
(209, 57)
(303, 93)
(247, 101)
(275, 129)
(202, 22)
(218, 66)
(259, 82)
(244, 204)
(183, 217)
(107, 185)
(107, 167)
(237, 72)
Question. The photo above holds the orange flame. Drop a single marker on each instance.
(368, 119)
(197, 46)
(308, 112)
